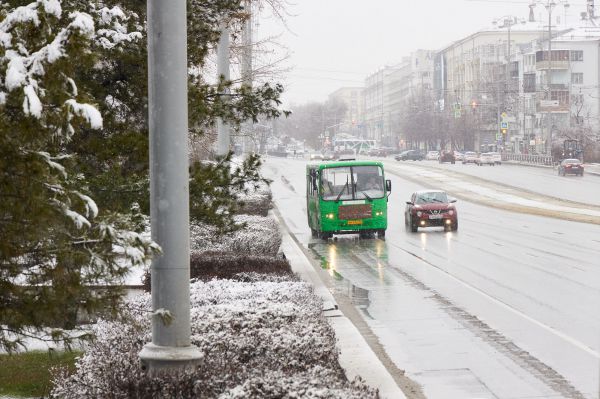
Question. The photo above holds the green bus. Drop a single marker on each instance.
(347, 197)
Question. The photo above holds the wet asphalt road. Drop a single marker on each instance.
(505, 307)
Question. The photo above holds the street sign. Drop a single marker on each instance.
(498, 136)
(503, 125)
(504, 115)
(549, 103)
(457, 113)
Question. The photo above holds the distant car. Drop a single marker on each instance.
(430, 208)
(497, 158)
(316, 157)
(447, 156)
(470, 157)
(432, 155)
(328, 156)
(410, 155)
(570, 166)
(379, 152)
(485, 158)
(459, 156)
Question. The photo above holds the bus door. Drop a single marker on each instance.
(312, 196)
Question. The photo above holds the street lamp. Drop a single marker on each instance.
(549, 5)
(508, 21)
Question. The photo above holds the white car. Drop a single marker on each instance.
(470, 157)
(497, 158)
(485, 158)
(432, 155)
(459, 156)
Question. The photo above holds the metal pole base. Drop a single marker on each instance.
(156, 359)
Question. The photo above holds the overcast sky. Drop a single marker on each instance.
(336, 43)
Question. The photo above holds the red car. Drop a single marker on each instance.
(570, 166)
(430, 208)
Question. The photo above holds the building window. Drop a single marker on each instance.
(577, 78)
(576, 55)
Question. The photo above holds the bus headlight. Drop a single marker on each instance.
(379, 213)
(330, 216)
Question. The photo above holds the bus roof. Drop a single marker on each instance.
(335, 164)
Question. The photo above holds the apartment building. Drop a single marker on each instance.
(353, 98)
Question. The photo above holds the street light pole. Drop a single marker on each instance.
(171, 347)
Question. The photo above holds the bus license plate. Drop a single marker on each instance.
(354, 222)
(436, 216)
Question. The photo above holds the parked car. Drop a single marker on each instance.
(497, 157)
(380, 152)
(485, 158)
(432, 155)
(459, 156)
(447, 156)
(430, 208)
(570, 166)
(470, 157)
(412, 155)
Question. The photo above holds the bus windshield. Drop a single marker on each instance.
(352, 182)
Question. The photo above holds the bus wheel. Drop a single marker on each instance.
(314, 233)
(381, 233)
(326, 236)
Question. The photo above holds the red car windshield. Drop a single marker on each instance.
(432, 198)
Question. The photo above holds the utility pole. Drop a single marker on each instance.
(171, 347)
(247, 59)
(223, 131)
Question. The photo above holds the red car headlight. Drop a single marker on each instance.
(419, 213)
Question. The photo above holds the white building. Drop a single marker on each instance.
(352, 97)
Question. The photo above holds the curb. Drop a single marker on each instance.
(356, 356)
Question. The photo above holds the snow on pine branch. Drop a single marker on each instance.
(87, 111)
(113, 32)
(25, 67)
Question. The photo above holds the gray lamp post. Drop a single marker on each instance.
(171, 347)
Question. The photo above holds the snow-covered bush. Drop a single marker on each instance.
(255, 337)
(257, 201)
(309, 384)
(259, 236)
(206, 266)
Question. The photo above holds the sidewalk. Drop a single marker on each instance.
(356, 357)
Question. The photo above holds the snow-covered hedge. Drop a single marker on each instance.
(258, 340)
(260, 236)
(206, 266)
(257, 201)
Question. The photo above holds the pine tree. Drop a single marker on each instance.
(54, 241)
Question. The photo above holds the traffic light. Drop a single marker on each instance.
(503, 131)
(474, 105)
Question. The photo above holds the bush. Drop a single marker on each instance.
(206, 266)
(257, 201)
(255, 337)
(259, 236)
